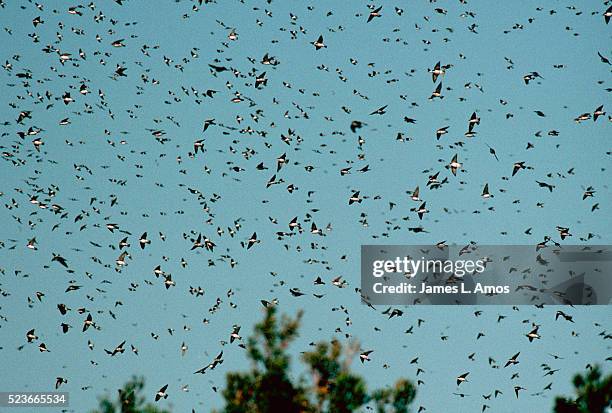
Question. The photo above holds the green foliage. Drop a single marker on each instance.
(129, 400)
(399, 397)
(268, 387)
(593, 394)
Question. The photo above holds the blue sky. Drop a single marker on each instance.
(156, 196)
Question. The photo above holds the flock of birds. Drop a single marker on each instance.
(135, 157)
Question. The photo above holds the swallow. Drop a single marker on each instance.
(588, 193)
(59, 381)
(533, 334)
(565, 316)
(296, 292)
(121, 259)
(454, 165)
(365, 356)
(124, 243)
(318, 44)
(32, 244)
(261, 80)
(356, 125)
(512, 360)
(474, 120)
(437, 93)
(208, 122)
(354, 198)
(545, 185)
(143, 240)
(281, 161)
(88, 322)
(60, 260)
(31, 336)
(531, 76)
(436, 71)
(517, 389)
(118, 43)
(252, 240)
(421, 210)
(583, 117)
(442, 131)
(380, 111)
(415, 195)
(168, 282)
(37, 144)
(234, 335)
(118, 349)
(485, 192)
(161, 393)
(518, 166)
(198, 145)
(563, 232)
(598, 112)
(374, 13)
(462, 378)
(604, 59)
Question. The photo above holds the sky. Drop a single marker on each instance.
(109, 140)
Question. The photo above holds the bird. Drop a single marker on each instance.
(161, 393)
(441, 131)
(454, 165)
(31, 336)
(517, 389)
(567, 317)
(234, 335)
(365, 356)
(118, 349)
(318, 44)
(598, 112)
(354, 198)
(485, 192)
(143, 240)
(88, 322)
(421, 210)
(550, 187)
(437, 93)
(517, 167)
(374, 13)
(462, 378)
(252, 240)
(59, 259)
(533, 334)
(563, 232)
(513, 360)
(261, 80)
(356, 125)
(380, 111)
(436, 71)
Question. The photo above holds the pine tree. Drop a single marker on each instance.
(593, 394)
(268, 386)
